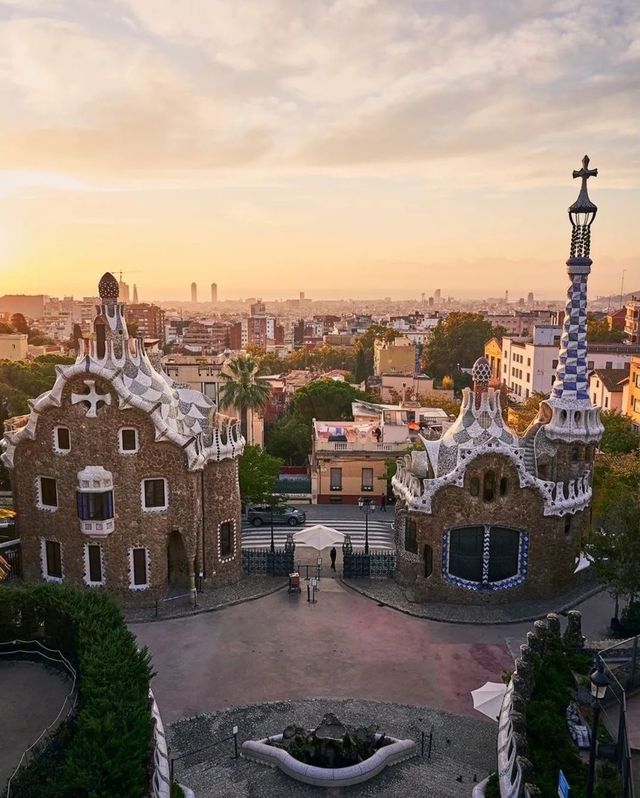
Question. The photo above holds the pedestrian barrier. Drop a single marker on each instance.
(279, 562)
(375, 565)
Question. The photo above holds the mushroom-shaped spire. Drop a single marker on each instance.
(481, 375)
(108, 287)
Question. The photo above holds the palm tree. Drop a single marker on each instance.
(242, 389)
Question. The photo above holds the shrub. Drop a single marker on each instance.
(103, 751)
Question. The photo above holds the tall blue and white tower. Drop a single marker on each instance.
(569, 414)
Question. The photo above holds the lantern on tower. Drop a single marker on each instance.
(581, 214)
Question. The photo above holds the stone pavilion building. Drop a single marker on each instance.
(483, 515)
(123, 479)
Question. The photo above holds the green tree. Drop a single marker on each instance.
(598, 332)
(457, 341)
(290, 439)
(257, 474)
(242, 390)
(614, 542)
(6, 329)
(325, 400)
(360, 371)
(21, 380)
(619, 434)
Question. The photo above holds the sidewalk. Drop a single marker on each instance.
(389, 593)
(248, 589)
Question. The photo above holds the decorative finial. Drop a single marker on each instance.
(585, 173)
(108, 287)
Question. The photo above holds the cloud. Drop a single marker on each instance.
(154, 88)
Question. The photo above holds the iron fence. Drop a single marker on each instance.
(264, 561)
(375, 565)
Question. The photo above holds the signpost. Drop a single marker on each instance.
(563, 785)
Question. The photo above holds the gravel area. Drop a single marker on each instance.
(462, 746)
(391, 594)
(248, 589)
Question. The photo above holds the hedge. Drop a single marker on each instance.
(103, 751)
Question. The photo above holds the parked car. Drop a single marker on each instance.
(261, 514)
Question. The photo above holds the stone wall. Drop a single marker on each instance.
(551, 551)
(515, 771)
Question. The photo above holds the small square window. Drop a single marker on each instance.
(48, 492)
(63, 439)
(128, 440)
(154, 494)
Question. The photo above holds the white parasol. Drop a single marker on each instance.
(488, 698)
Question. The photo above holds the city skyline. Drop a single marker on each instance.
(356, 148)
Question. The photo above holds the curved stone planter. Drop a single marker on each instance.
(259, 751)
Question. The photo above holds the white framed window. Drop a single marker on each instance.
(154, 494)
(51, 560)
(47, 493)
(61, 440)
(93, 564)
(129, 443)
(227, 543)
(138, 568)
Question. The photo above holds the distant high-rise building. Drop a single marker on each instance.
(123, 291)
(135, 294)
(302, 296)
(437, 294)
(214, 292)
(530, 298)
(506, 296)
(194, 292)
(422, 297)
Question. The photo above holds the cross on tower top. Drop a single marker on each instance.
(585, 173)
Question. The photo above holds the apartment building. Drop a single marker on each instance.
(394, 357)
(528, 364)
(149, 321)
(606, 388)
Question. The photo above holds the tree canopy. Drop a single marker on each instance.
(619, 434)
(457, 341)
(598, 332)
(325, 400)
(21, 380)
(257, 474)
(242, 389)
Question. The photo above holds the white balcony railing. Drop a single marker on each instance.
(361, 446)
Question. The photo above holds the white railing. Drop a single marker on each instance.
(361, 446)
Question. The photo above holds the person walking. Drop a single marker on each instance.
(333, 554)
(383, 502)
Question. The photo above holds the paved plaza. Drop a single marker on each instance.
(462, 748)
(32, 696)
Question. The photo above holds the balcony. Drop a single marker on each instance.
(361, 446)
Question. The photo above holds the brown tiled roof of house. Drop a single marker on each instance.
(612, 379)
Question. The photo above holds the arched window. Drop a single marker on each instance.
(567, 525)
(474, 486)
(428, 561)
(489, 486)
(575, 454)
(503, 486)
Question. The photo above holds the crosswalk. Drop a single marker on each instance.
(380, 532)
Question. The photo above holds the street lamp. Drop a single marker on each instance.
(599, 683)
(367, 506)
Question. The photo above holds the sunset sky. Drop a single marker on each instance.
(345, 148)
